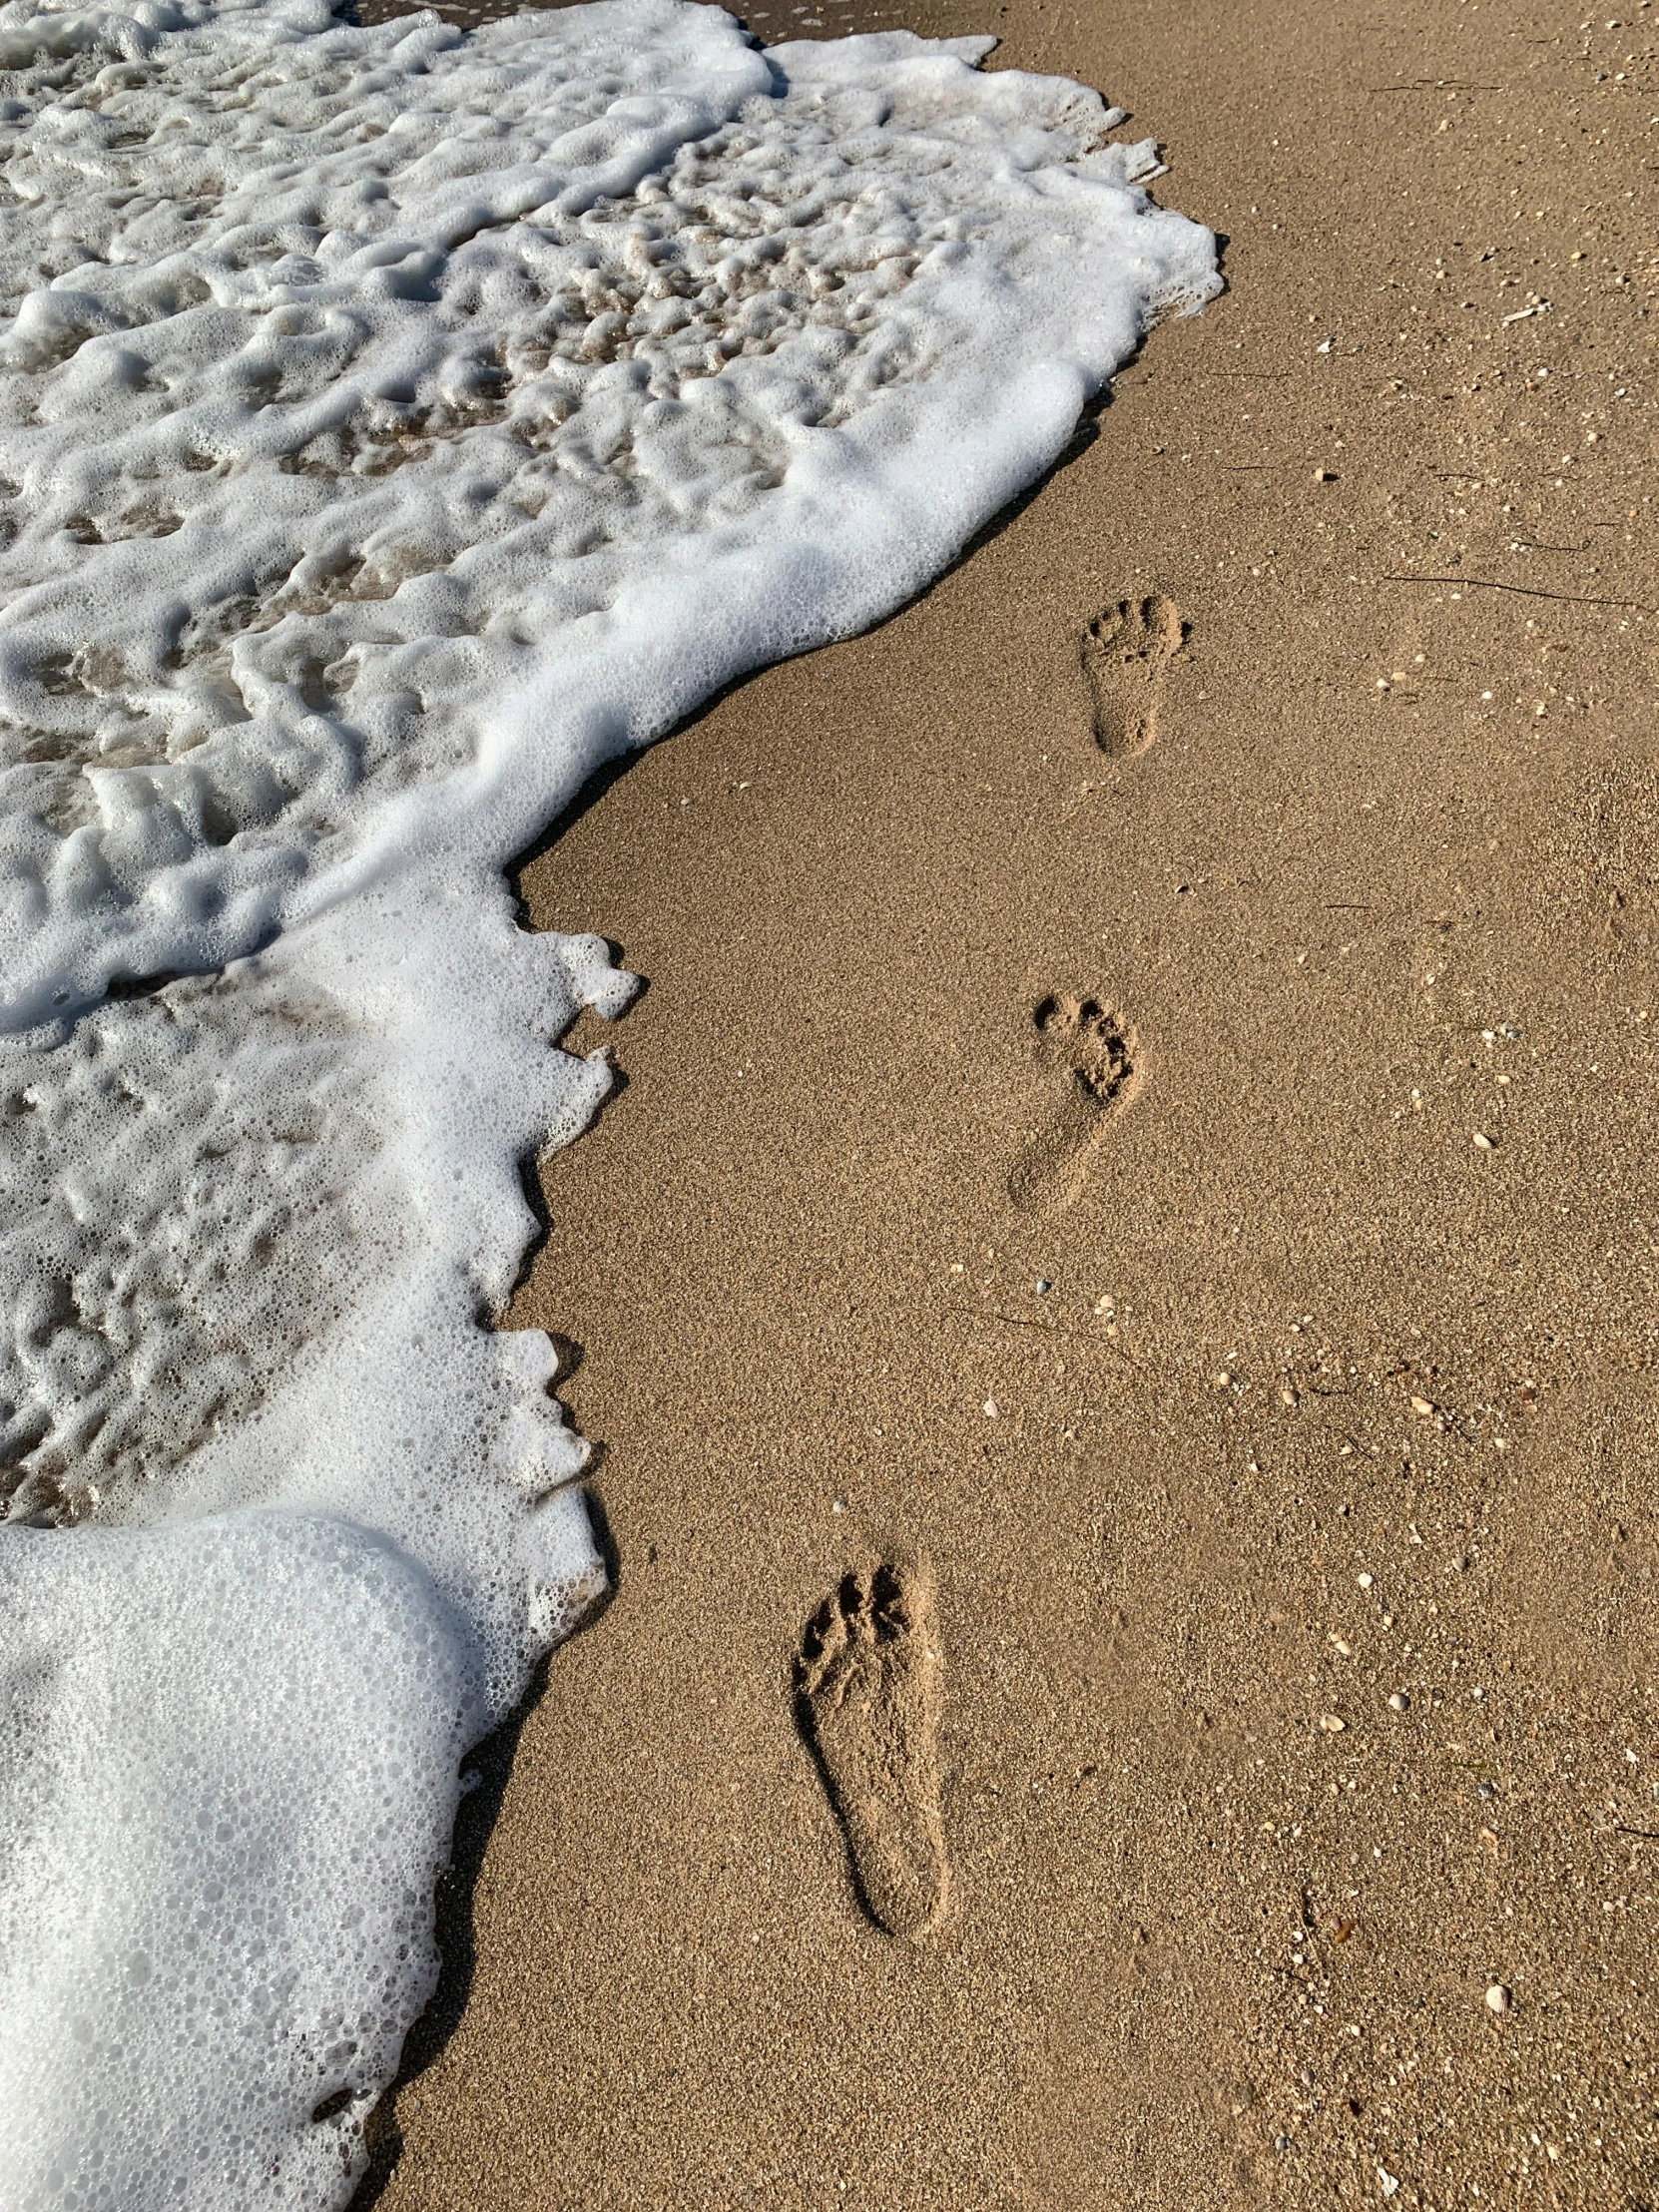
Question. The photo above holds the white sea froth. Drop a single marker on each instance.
(395, 425)
(334, 1707)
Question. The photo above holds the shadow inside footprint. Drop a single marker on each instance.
(1094, 1055)
(1125, 654)
(868, 1698)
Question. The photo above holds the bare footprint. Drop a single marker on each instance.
(1125, 654)
(868, 1693)
(1094, 1055)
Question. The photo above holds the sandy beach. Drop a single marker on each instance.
(1140, 1124)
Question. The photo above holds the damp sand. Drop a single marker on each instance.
(1327, 1411)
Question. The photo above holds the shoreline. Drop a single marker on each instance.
(1244, 1475)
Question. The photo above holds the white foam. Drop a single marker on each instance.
(189, 1964)
(394, 426)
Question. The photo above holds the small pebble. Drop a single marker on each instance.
(1365, 1580)
(1220, 1382)
(1044, 1286)
(1330, 1724)
(1422, 1407)
(1325, 475)
(1486, 1790)
(1282, 2142)
(1399, 1702)
(1498, 1999)
(1483, 1143)
(991, 1408)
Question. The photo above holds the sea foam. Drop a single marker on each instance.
(395, 425)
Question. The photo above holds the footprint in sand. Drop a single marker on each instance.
(1094, 1056)
(868, 1690)
(1125, 654)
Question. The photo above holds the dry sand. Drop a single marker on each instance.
(1307, 1057)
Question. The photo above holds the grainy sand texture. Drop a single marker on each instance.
(1117, 1290)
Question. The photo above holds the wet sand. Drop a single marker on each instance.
(1141, 1122)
